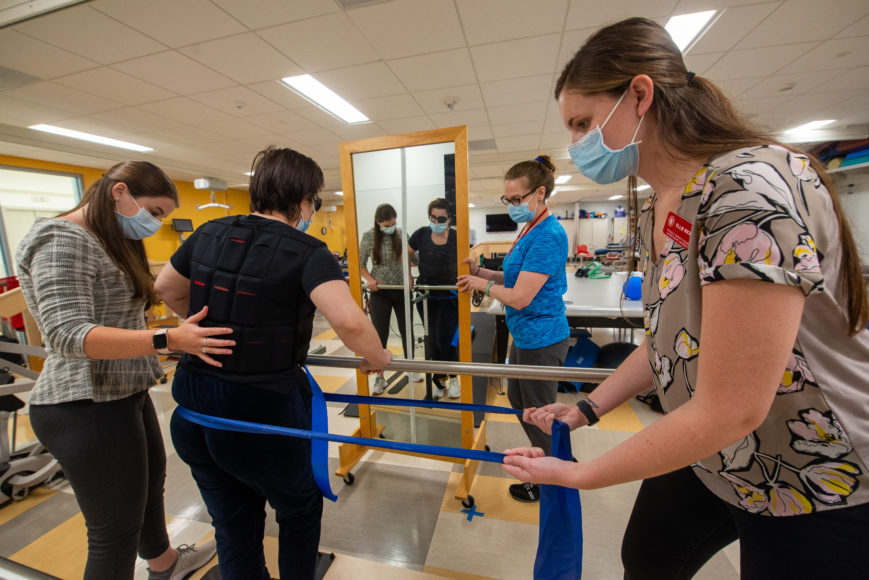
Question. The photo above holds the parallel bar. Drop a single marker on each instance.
(472, 369)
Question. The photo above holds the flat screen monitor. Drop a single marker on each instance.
(182, 225)
(500, 222)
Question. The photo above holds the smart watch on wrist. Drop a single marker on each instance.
(588, 411)
(160, 341)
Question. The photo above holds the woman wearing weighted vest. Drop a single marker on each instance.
(263, 277)
(86, 280)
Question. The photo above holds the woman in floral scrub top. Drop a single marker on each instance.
(756, 329)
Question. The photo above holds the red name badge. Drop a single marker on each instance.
(677, 229)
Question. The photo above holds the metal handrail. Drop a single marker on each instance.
(472, 369)
(415, 287)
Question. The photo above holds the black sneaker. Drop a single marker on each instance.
(527, 492)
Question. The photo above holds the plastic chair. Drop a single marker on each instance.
(582, 252)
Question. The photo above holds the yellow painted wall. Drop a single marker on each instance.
(163, 244)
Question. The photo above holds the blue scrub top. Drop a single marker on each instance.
(544, 251)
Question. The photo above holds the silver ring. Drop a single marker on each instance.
(205, 342)
(203, 350)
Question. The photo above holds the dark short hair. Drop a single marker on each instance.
(440, 203)
(281, 179)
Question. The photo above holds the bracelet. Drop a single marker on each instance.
(587, 410)
(477, 273)
(489, 285)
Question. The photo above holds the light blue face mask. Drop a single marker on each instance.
(304, 224)
(388, 230)
(438, 228)
(601, 164)
(140, 226)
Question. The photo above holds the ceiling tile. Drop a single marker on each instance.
(391, 107)
(514, 113)
(358, 131)
(408, 125)
(279, 93)
(736, 87)
(64, 98)
(238, 102)
(183, 110)
(487, 21)
(113, 84)
(516, 58)
(95, 126)
(245, 58)
(571, 42)
(859, 28)
(434, 71)
(135, 119)
(833, 54)
(476, 120)
(23, 112)
(701, 63)
(855, 78)
(465, 98)
(514, 129)
(555, 141)
(314, 137)
(171, 22)
(321, 43)
(229, 127)
(263, 13)
(187, 135)
(362, 81)
(175, 72)
(732, 26)
(759, 61)
(772, 86)
(527, 143)
(410, 27)
(805, 20)
(319, 117)
(592, 13)
(91, 34)
(520, 90)
(755, 107)
(818, 100)
(26, 54)
(282, 122)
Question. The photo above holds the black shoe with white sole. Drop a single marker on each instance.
(527, 492)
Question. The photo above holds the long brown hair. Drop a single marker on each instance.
(142, 179)
(383, 213)
(537, 172)
(695, 118)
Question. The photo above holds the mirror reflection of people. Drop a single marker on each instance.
(434, 248)
(531, 288)
(756, 339)
(381, 246)
(260, 275)
(86, 280)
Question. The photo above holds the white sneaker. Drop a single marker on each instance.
(379, 385)
(416, 377)
(190, 559)
(455, 388)
(437, 392)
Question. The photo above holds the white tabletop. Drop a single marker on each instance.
(593, 297)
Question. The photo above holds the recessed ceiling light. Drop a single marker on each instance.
(562, 179)
(612, 197)
(248, 173)
(471, 205)
(339, 193)
(90, 137)
(644, 187)
(686, 29)
(325, 98)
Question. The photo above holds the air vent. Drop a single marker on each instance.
(13, 79)
(347, 4)
(482, 145)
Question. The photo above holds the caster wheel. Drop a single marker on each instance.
(468, 503)
(488, 448)
(349, 479)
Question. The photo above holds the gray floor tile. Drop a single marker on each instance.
(35, 522)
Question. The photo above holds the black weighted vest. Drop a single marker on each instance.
(248, 271)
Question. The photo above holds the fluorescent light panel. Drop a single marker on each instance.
(471, 205)
(341, 193)
(562, 179)
(612, 197)
(811, 126)
(322, 96)
(90, 137)
(686, 29)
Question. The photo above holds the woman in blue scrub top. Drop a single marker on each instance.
(531, 288)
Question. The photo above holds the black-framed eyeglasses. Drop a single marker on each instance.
(318, 203)
(516, 200)
(440, 219)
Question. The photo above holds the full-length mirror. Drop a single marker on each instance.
(408, 205)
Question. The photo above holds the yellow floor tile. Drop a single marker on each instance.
(444, 573)
(492, 497)
(16, 508)
(622, 418)
(61, 552)
(327, 335)
(333, 384)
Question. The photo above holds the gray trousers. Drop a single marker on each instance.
(524, 393)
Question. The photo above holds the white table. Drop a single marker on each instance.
(588, 303)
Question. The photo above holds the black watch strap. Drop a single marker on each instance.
(588, 411)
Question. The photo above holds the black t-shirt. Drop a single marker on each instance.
(437, 263)
(320, 267)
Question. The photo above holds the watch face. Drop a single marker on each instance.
(323, 230)
(160, 341)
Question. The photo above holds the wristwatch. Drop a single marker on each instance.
(160, 340)
(588, 411)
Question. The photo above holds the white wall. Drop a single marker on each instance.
(856, 206)
(477, 218)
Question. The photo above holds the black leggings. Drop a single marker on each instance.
(113, 456)
(381, 304)
(677, 525)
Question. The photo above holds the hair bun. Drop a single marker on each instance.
(546, 162)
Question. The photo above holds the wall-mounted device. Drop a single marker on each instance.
(212, 184)
(181, 226)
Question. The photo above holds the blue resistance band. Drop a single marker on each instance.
(320, 436)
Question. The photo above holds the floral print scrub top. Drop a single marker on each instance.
(761, 213)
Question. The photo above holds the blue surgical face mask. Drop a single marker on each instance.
(438, 228)
(304, 224)
(601, 164)
(140, 226)
(388, 230)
